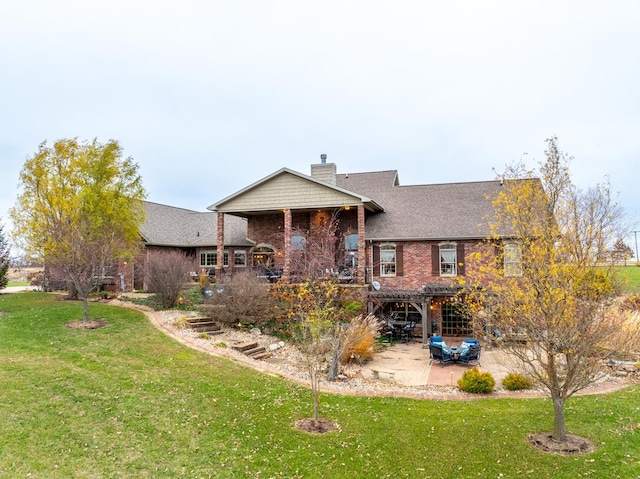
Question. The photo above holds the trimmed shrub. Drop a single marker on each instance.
(516, 382)
(474, 381)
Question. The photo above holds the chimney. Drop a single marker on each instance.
(324, 171)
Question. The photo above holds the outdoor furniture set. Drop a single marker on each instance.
(396, 329)
(468, 352)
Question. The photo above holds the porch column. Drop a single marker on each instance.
(362, 259)
(286, 271)
(220, 248)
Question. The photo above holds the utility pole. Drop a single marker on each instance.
(635, 233)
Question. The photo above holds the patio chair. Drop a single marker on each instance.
(406, 334)
(438, 353)
(470, 354)
(435, 339)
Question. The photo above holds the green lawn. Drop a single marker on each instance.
(631, 275)
(127, 401)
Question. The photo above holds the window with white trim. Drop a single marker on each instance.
(209, 258)
(387, 260)
(448, 259)
(512, 259)
(239, 257)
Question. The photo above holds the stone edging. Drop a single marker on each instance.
(266, 368)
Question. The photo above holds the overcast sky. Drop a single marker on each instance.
(211, 96)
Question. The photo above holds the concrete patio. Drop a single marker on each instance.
(409, 365)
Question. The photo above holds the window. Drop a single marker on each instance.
(298, 242)
(239, 257)
(448, 260)
(387, 260)
(454, 321)
(210, 258)
(351, 251)
(512, 259)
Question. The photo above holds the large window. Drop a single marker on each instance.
(512, 259)
(210, 258)
(387, 260)
(448, 260)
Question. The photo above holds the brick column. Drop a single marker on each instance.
(220, 248)
(286, 272)
(362, 258)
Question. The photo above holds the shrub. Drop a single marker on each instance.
(474, 381)
(243, 300)
(167, 273)
(516, 382)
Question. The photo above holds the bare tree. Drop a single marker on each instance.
(547, 293)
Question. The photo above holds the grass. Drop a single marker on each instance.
(126, 401)
(631, 276)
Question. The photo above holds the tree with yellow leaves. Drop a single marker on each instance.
(546, 295)
(79, 210)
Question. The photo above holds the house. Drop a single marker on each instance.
(404, 245)
(192, 232)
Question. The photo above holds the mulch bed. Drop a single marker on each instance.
(573, 445)
(320, 426)
(91, 324)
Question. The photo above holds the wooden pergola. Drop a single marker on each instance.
(421, 300)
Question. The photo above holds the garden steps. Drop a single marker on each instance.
(205, 324)
(252, 349)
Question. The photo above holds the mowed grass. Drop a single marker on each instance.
(631, 276)
(126, 401)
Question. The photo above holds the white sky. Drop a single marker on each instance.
(211, 96)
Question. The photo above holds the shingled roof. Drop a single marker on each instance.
(170, 226)
(424, 212)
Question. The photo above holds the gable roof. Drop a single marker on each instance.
(170, 226)
(427, 212)
(292, 190)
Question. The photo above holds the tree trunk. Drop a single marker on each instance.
(316, 400)
(335, 364)
(559, 433)
(85, 307)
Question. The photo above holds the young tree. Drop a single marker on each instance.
(547, 286)
(4, 258)
(79, 209)
(316, 330)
